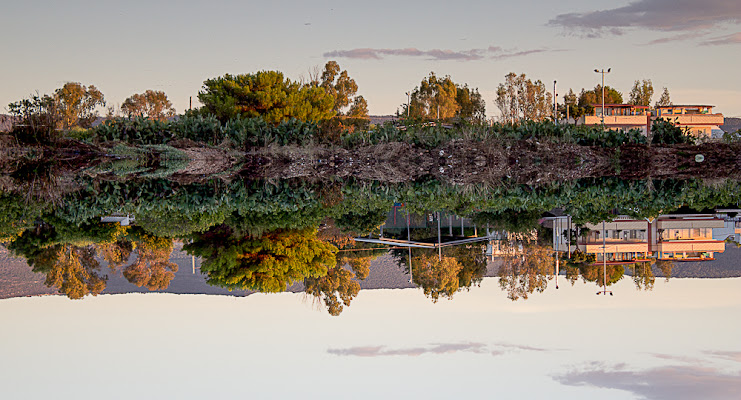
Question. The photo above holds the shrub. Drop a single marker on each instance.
(665, 132)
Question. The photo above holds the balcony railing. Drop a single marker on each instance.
(695, 119)
(633, 120)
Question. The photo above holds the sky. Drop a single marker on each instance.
(691, 47)
(679, 342)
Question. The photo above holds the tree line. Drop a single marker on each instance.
(520, 99)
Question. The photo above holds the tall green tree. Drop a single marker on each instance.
(441, 98)
(521, 99)
(266, 94)
(339, 85)
(641, 93)
(434, 98)
(590, 98)
(152, 104)
(359, 108)
(472, 105)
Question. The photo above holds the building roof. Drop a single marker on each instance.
(685, 106)
(619, 105)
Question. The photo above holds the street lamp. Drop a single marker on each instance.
(409, 101)
(604, 262)
(603, 72)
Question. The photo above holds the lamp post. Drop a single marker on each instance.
(604, 264)
(555, 104)
(409, 103)
(603, 72)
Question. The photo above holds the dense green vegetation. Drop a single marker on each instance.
(256, 132)
(169, 209)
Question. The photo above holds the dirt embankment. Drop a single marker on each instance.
(468, 162)
(709, 160)
(457, 162)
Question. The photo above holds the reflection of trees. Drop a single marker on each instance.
(161, 220)
(65, 253)
(361, 221)
(596, 273)
(472, 261)
(573, 265)
(527, 271)
(115, 253)
(152, 268)
(71, 269)
(512, 221)
(359, 257)
(461, 267)
(436, 276)
(335, 289)
(268, 263)
(665, 266)
(643, 276)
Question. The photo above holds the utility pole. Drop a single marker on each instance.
(409, 103)
(604, 291)
(603, 72)
(555, 103)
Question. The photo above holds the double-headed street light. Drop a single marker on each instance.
(603, 72)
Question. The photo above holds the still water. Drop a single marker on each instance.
(352, 289)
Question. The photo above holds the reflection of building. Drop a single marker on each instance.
(732, 227)
(124, 220)
(687, 237)
(438, 229)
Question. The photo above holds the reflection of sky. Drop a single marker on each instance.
(679, 341)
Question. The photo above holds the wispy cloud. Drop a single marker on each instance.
(728, 355)
(725, 355)
(439, 348)
(376, 351)
(734, 38)
(669, 382)
(674, 38)
(656, 15)
(491, 52)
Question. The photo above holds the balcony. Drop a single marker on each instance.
(695, 119)
(617, 120)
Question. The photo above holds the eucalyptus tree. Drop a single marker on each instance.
(641, 93)
(77, 104)
(521, 99)
(664, 100)
(152, 104)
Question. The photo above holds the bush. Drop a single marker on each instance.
(133, 131)
(665, 132)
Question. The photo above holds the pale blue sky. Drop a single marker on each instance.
(128, 47)
(561, 344)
